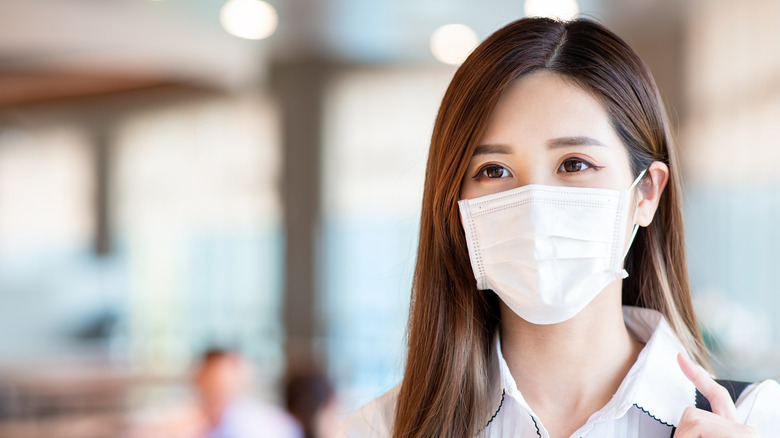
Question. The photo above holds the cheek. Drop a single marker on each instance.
(466, 188)
(471, 188)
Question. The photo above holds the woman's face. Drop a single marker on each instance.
(545, 130)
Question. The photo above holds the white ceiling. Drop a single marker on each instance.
(180, 41)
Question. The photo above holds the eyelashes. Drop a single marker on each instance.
(572, 165)
(492, 171)
(575, 165)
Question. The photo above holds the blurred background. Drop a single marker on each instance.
(179, 175)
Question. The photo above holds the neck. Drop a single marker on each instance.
(590, 355)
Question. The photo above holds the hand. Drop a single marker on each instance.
(722, 422)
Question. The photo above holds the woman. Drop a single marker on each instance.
(551, 161)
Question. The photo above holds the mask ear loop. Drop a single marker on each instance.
(636, 226)
(638, 178)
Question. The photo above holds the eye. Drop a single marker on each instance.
(574, 165)
(493, 171)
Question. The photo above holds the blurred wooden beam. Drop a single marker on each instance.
(21, 87)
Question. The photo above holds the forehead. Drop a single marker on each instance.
(543, 105)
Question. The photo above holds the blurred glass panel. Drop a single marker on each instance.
(198, 224)
(378, 125)
(734, 248)
(194, 260)
(47, 273)
(729, 144)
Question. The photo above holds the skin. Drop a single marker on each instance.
(722, 421)
(545, 130)
(219, 383)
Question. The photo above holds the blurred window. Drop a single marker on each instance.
(197, 220)
(46, 223)
(377, 130)
(730, 151)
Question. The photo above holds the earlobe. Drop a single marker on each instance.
(651, 189)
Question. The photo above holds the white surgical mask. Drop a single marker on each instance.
(547, 251)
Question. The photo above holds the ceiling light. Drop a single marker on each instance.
(451, 44)
(249, 19)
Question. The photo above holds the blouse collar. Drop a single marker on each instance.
(654, 384)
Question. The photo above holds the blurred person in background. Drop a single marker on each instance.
(311, 400)
(532, 312)
(223, 408)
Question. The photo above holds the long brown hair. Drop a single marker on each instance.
(452, 325)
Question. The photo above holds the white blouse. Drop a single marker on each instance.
(648, 403)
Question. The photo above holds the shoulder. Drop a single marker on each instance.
(759, 406)
(374, 420)
(251, 417)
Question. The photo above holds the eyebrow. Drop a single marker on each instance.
(573, 141)
(485, 149)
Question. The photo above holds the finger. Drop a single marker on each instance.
(693, 423)
(718, 396)
(696, 423)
